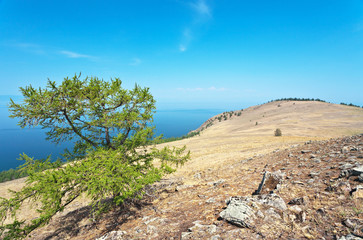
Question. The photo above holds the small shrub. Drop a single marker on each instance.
(278, 132)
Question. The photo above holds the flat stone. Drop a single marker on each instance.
(272, 200)
(357, 170)
(357, 192)
(238, 212)
(350, 237)
(113, 235)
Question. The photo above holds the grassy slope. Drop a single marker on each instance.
(238, 138)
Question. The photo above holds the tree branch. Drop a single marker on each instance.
(76, 130)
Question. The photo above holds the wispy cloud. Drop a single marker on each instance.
(45, 50)
(186, 38)
(201, 7)
(135, 61)
(27, 47)
(199, 89)
(71, 54)
(203, 13)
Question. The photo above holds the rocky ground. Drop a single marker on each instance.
(310, 191)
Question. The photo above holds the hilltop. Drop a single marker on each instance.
(229, 158)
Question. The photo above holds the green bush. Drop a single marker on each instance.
(278, 132)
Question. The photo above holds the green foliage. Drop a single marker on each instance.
(278, 132)
(298, 99)
(209, 124)
(350, 104)
(113, 133)
(12, 174)
(95, 112)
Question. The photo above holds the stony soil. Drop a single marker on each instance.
(315, 172)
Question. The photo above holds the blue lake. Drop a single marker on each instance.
(31, 141)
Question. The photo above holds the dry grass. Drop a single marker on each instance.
(237, 139)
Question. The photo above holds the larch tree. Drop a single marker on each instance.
(113, 135)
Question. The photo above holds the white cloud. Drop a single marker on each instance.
(135, 61)
(74, 54)
(203, 14)
(201, 7)
(186, 38)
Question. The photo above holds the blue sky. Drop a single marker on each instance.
(192, 54)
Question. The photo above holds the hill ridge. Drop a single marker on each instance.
(228, 159)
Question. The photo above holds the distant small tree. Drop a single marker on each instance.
(113, 133)
(278, 132)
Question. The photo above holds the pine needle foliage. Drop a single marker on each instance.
(113, 132)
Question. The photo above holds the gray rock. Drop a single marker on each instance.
(345, 173)
(272, 200)
(310, 181)
(216, 183)
(203, 228)
(353, 223)
(238, 212)
(314, 174)
(271, 214)
(360, 178)
(270, 181)
(215, 237)
(297, 201)
(346, 166)
(114, 235)
(350, 237)
(344, 187)
(295, 209)
(151, 229)
(345, 149)
(317, 160)
(357, 170)
(198, 175)
(357, 192)
(185, 235)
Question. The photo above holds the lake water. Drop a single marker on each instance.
(31, 141)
